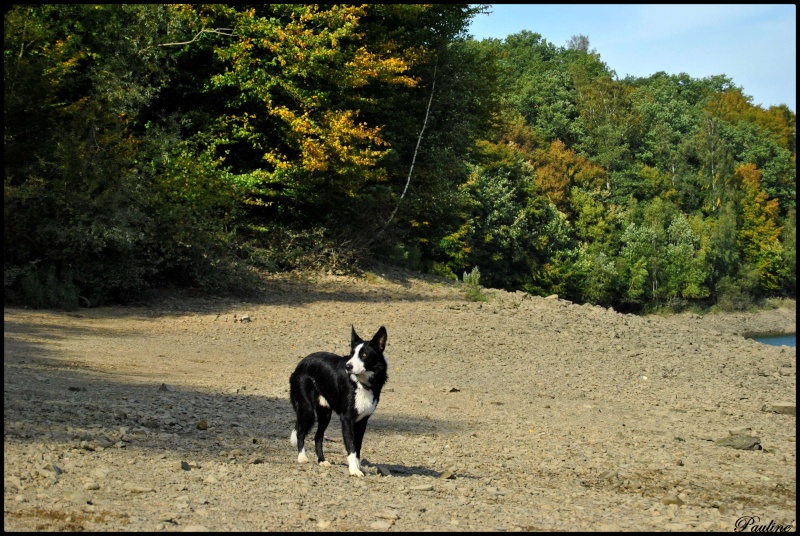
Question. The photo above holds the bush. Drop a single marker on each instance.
(737, 294)
(471, 282)
(41, 288)
(280, 248)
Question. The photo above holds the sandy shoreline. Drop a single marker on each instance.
(782, 320)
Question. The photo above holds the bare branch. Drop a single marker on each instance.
(414, 159)
(227, 32)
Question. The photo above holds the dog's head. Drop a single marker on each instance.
(366, 357)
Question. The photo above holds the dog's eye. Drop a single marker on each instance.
(363, 354)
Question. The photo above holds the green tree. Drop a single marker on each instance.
(787, 273)
(669, 123)
(639, 263)
(74, 203)
(612, 129)
(685, 270)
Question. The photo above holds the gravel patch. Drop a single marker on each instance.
(515, 414)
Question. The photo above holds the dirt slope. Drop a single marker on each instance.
(518, 413)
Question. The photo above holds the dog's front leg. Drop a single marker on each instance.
(353, 462)
(359, 428)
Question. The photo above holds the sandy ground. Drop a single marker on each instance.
(518, 413)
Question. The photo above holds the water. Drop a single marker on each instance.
(780, 340)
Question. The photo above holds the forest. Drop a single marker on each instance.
(198, 146)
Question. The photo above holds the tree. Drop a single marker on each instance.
(759, 234)
(559, 168)
(668, 125)
(538, 84)
(579, 42)
(611, 126)
(684, 263)
(75, 202)
(639, 259)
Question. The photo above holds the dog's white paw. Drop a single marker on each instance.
(354, 465)
(356, 472)
(302, 457)
(325, 463)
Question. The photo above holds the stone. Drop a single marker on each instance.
(671, 498)
(133, 488)
(389, 515)
(75, 497)
(741, 442)
(784, 408)
(383, 470)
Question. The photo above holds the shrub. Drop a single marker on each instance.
(472, 288)
(43, 288)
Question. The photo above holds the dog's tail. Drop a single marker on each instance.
(293, 438)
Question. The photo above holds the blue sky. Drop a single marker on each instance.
(754, 45)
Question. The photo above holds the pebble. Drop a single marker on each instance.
(389, 515)
(785, 408)
(75, 497)
(50, 470)
(671, 498)
(380, 525)
(133, 488)
(101, 472)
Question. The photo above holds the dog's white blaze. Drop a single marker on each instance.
(354, 465)
(365, 402)
(362, 378)
(323, 402)
(293, 438)
(355, 361)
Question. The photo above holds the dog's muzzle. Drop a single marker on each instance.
(354, 366)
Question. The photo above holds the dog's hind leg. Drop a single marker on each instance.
(323, 418)
(305, 420)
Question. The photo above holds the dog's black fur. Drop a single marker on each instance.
(350, 385)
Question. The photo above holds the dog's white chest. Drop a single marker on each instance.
(365, 402)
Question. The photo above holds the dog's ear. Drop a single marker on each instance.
(355, 340)
(379, 340)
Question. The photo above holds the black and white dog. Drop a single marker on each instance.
(349, 385)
